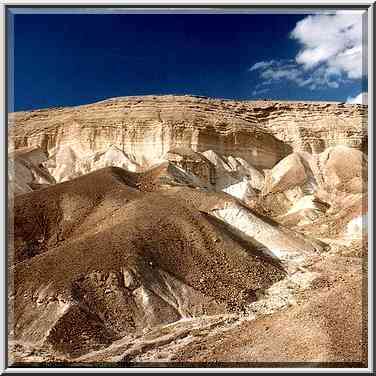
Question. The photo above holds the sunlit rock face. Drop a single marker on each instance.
(285, 157)
(136, 132)
(315, 126)
(145, 128)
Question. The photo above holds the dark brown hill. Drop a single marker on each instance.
(109, 259)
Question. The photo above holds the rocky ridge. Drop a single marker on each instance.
(145, 128)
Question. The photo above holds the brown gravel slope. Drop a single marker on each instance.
(106, 254)
(327, 324)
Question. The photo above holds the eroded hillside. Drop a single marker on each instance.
(179, 229)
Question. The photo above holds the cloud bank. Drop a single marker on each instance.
(330, 53)
(334, 40)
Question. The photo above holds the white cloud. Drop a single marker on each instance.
(333, 40)
(361, 98)
(261, 64)
(289, 71)
(330, 54)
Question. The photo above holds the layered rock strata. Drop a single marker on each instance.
(146, 127)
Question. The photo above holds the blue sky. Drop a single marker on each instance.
(71, 59)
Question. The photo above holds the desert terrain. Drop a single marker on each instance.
(185, 231)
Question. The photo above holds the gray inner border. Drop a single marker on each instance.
(175, 9)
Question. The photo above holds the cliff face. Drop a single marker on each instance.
(313, 127)
(147, 127)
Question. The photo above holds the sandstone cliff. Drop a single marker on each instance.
(146, 127)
